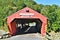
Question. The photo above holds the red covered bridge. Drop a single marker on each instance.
(26, 20)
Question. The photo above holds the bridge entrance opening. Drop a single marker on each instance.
(24, 26)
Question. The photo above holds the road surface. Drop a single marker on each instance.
(34, 36)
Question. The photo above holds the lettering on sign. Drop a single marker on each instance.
(26, 14)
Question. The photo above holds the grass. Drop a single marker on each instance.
(54, 36)
(5, 28)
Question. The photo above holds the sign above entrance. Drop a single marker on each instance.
(26, 14)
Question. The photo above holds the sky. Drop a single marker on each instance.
(48, 2)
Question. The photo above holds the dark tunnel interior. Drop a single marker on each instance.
(24, 26)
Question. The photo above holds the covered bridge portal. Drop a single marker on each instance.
(26, 21)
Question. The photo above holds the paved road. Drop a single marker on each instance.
(26, 37)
